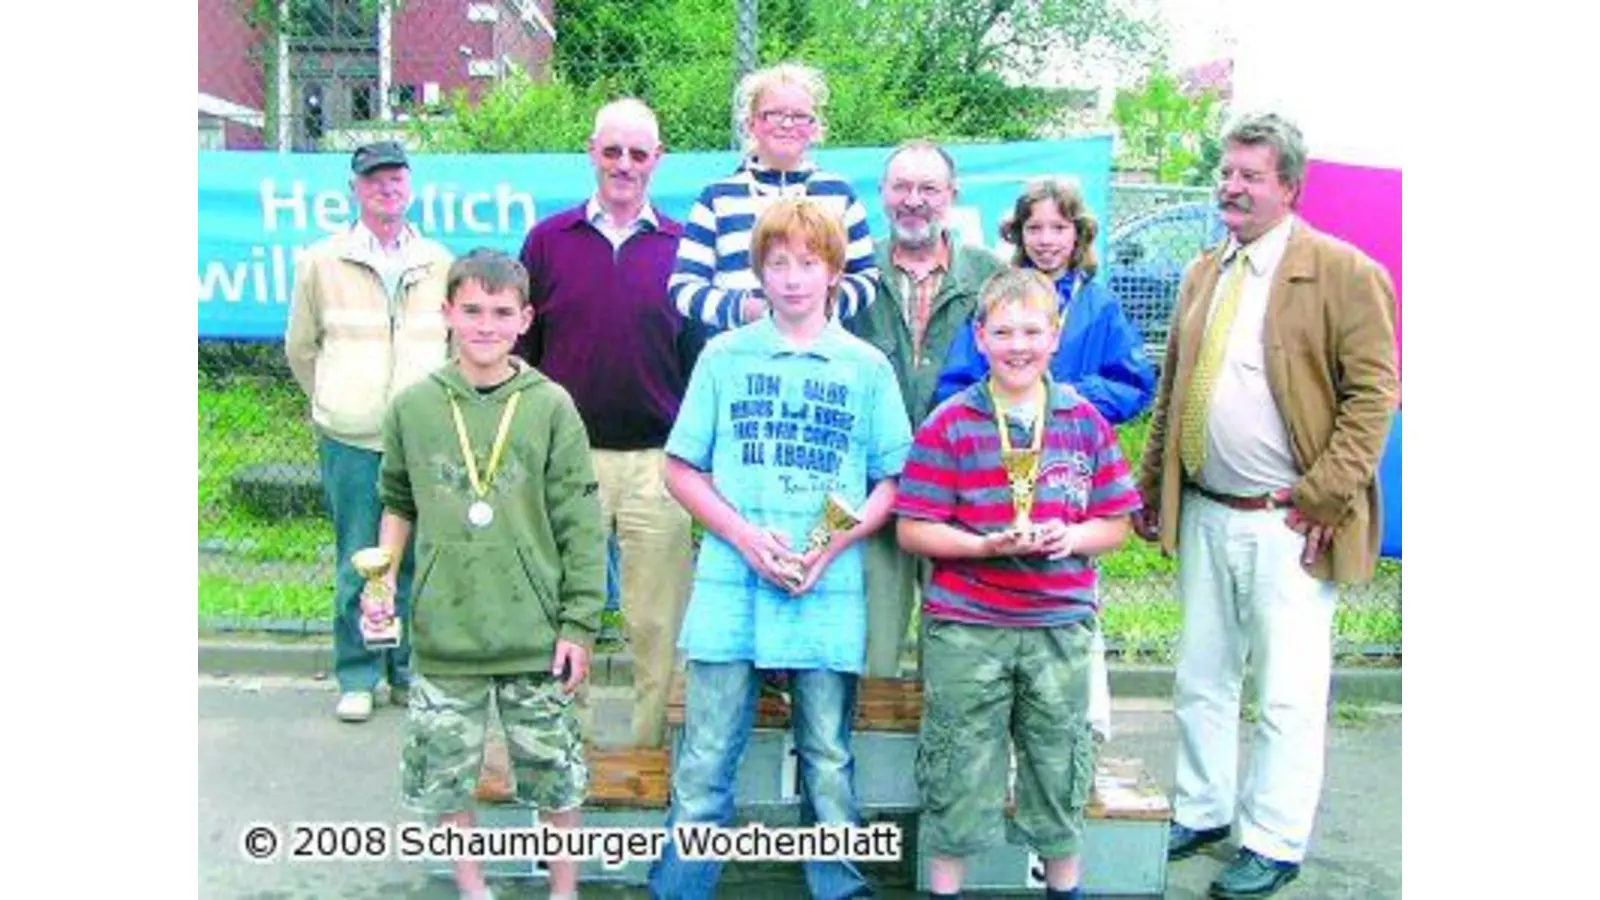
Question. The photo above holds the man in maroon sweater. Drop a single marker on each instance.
(605, 330)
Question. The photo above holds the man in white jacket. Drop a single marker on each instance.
(366, 321)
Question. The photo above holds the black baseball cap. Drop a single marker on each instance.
(376, 156)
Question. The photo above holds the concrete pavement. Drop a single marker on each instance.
(312, 657)
(271, 752)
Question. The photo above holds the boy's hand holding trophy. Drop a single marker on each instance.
(1022, 471)
(380, 627)
(837, 517)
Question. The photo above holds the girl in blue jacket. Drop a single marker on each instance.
(1100, 354)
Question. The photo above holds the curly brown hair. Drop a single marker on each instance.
(1069, 200)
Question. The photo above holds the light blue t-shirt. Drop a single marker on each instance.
(778, 428)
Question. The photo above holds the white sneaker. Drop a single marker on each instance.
(354, 706)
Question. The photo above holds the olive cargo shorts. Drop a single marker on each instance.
(985, 688)
(444, 735)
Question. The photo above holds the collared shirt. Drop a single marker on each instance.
(918, 286)
(617, 234)
(389, 259)
(779, 427)
(1247, 444)
(954, 476)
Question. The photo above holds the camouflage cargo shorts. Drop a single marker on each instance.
(444, 735)
(985, 689)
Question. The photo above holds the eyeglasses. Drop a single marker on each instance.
(786, 119)
(908, 189)
(614, 153)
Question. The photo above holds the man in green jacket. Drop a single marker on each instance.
(927, 293)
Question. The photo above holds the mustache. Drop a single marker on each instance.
(1242, 203)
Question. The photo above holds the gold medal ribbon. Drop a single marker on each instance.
(481, 488)
(1005, 430)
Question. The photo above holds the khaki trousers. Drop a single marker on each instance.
(657, 564)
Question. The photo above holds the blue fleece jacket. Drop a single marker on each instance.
(1101, 354)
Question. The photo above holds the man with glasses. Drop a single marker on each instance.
(604, 329)
(1260, 475)
(927, 295)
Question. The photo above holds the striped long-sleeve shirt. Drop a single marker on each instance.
(954, 476)
(713, 276)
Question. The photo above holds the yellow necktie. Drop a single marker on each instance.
(1197, 405)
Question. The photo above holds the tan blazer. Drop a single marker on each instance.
(1330, 358)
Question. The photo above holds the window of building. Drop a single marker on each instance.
(361, 102)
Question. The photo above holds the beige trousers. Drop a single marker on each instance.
(657, 567)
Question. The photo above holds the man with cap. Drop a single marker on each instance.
(366, 321)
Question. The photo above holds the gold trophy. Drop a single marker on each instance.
(1022, 468)
(837, 516)
(373, 563)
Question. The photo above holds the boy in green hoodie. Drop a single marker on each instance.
(489, 461)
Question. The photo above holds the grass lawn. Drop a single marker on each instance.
(254, 569)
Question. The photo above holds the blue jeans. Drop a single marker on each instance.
(350, 484)
(613, 575)
(720, 704)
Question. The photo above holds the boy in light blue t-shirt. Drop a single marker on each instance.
(779, 415)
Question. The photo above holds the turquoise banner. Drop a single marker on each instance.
(258, 211)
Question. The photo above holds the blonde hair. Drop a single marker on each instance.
(1020, 287)
(752, 86)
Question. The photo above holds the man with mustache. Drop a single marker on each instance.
(926, 296)
(605, 330)
(1274, 404)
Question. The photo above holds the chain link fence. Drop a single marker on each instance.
(326, 75)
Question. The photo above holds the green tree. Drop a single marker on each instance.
(1167, 131)
(895, 68)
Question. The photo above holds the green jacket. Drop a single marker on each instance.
(883, 324)
(494, 600)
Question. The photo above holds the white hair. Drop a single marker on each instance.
(626, 111)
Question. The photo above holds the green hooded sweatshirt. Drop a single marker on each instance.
(493, 600)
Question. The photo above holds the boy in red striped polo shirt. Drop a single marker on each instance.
(1010, 613)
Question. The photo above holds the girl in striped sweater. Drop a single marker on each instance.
(712, 281)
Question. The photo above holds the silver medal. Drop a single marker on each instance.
(480, 513)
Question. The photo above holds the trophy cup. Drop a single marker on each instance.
(1022, 467)
(837, 516)
(372, 563)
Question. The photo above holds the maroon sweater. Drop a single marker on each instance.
(604, 328)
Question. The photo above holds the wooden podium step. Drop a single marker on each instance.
(622, 778)
(1126, 820)
(882, 704)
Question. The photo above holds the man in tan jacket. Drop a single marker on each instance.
(366, 322)
(1273, 408)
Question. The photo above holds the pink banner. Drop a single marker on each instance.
(1360, 204)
